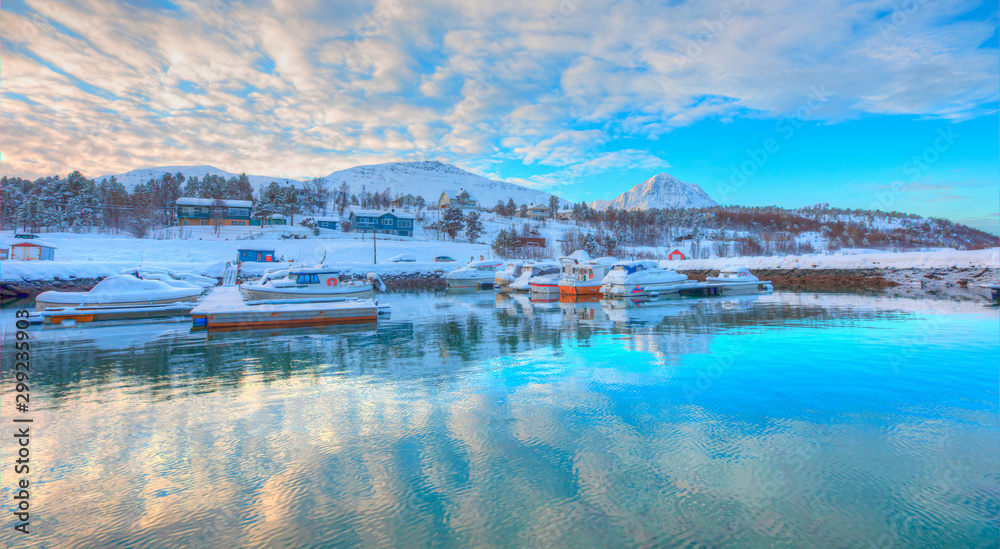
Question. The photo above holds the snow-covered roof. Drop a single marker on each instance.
(380, 213)
(537, 206)
(188, 201)
(269, 250)
(452, 194)
(30, 242)
(333, 219)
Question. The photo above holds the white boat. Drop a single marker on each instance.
(478, 275)
(321, 283)
(510, 272)
(642, 278)
(546, 281)
(167, 275)
(121, 291)
(738, 280)
(583, 278)
(531, 273)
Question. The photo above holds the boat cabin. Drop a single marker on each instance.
(310, 277)
(734, 273)
(636, 266)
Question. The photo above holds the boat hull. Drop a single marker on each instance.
(470, 283)
(41, 305)
(641, 290)
(727, 288)
(58, 315)
(580, 290)
(261, 294)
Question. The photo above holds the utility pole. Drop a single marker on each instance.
(374, 249)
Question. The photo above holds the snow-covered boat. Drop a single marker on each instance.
(511, 271)
(121, 291)
(167, 275)
(734, 280)
(639, 279)
(533, 272)
(224, 310)
(478, 275)
(310, 283)
(584, 278)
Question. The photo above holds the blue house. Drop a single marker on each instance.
(382, 222)
(326, 222)
(256, 255)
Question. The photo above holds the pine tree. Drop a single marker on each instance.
(452, 221)
(511, 208)
(553, 205)
(473, 226)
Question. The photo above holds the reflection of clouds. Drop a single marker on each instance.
(591, 445)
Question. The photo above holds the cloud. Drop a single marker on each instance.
(106, 86)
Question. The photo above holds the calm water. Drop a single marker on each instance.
(787, 420)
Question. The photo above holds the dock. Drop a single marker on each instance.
(225, 309)
(59, 315)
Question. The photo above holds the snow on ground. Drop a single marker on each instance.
(857, 259)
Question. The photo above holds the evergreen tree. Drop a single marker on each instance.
(511, 208)
(473, 226)
(553, 205)
(452, 221)
(523, 211)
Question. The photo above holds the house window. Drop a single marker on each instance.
(387, 221)
(404, 223)
(258, 256)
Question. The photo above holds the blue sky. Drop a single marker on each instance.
(876, 103)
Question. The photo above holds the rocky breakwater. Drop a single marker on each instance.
(829, 280)
(12, 289)
(413, 281)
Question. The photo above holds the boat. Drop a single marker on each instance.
(584, 278)
(511, 271)
(643, 278)
(531, 273)
(734, 280)
(478, 275)
(59, 315)
(121, 291)
(167, 275)
(321, 283)
(546, 281)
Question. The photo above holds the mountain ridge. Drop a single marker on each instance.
(662, 191)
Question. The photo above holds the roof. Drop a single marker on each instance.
(32, 242)
(380, 213)
(188, 201)
(453, 194)
(333, 219)
(536, 206)
(271, 250)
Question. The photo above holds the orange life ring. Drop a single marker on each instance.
(331, 281)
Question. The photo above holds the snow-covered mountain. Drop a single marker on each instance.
(142, 175)
(428, 179)
(660, 191)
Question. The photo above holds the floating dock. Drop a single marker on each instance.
(224, 309)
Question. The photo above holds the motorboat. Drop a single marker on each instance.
(532, 273)
(121, 291)
(511, 271)
(546, 281)
(317, 283)
(733, 280)
(478, 275)
(643, 278)
(584, 278)
(167, 275)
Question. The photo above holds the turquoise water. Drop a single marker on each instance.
(787, 420)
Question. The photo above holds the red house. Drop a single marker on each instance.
(675, 255)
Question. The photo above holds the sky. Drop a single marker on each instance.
(886, 104)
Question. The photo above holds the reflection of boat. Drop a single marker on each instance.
(729, 281)
(587, 308)
(642, 278)
(583, 278)
(478, 275)
(310, 282)
(120, 292)
(644, 309)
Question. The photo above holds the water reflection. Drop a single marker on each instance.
(486, 419)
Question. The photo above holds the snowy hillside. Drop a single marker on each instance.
(134, 177)
(660, 191)
(428, 179)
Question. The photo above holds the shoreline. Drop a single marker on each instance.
(957, 281)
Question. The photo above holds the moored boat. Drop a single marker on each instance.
(478, 275)
(121, 291)
(511, 271)
(641, 279)
(733, 280)
(533, 273)
(584, 278)
(324, 283)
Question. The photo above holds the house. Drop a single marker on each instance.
(564, 215)
(326, 222)
(461, 198)
(382, 222)
(32, 250)
(675, 255)
(255, 255)
(534, 241)
(405, 201)
(209, 211)
(269, 221)
(538, 211)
